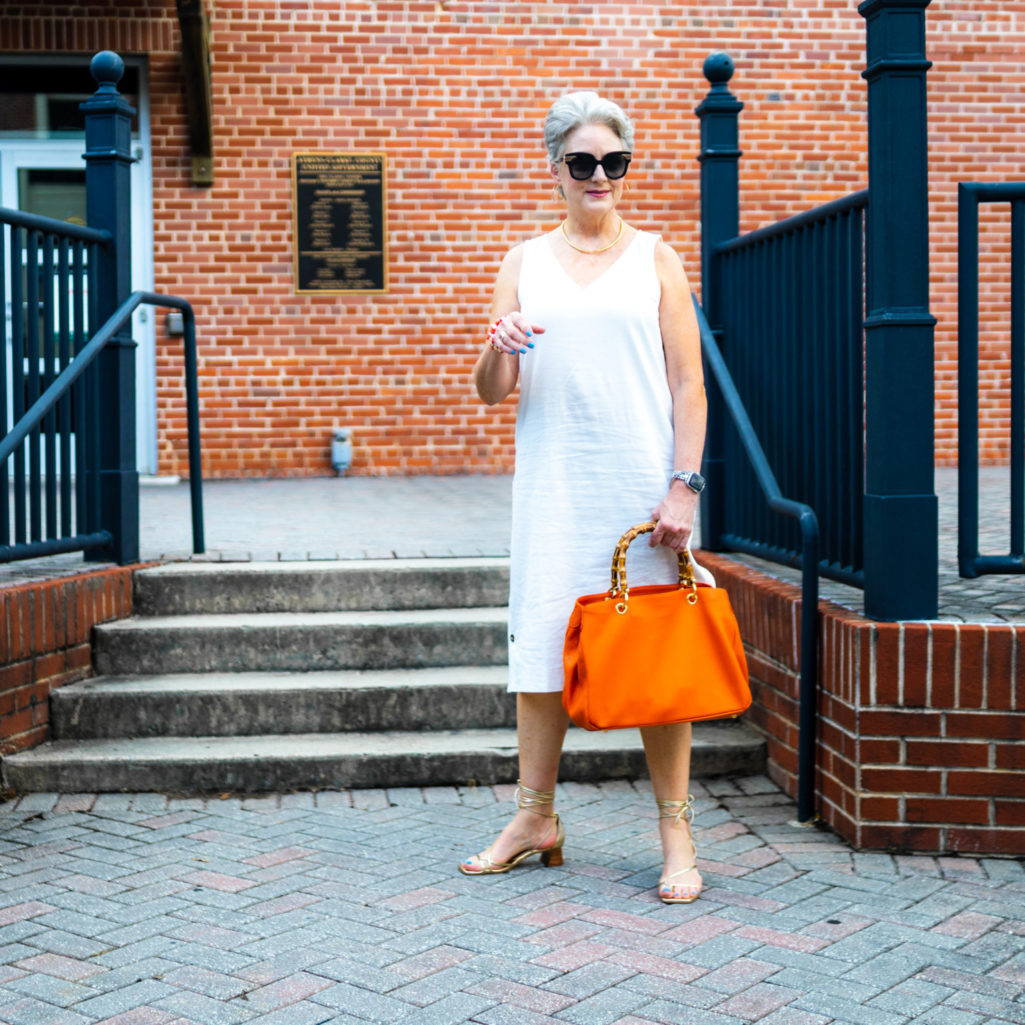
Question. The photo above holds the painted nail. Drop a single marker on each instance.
(530, 334)
(530, 345)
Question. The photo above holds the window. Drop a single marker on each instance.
(43, 102)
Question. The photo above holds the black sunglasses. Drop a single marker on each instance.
(582, 165)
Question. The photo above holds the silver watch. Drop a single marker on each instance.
(692, 479)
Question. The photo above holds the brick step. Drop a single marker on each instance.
(357, 760)
(300, 641)
(239, 704)
(218, 588)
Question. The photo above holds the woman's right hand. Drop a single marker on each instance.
(494, 375)
(513, 334)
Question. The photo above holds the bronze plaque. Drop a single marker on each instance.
(339, 228)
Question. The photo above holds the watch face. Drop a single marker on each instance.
(693, 480)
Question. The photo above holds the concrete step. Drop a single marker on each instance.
(343, 760)
(249, 678)
(239, 704)
(300, 642)
(193, 588)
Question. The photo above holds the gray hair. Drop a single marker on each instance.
(584, 108)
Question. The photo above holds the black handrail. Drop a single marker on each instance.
(818, 214)
(808, 562)
(47, 225)
(62, 384)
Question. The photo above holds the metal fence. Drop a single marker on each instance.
(49, 501)
(68, 474)
(969, 197)
(792, 310)
(824, 322)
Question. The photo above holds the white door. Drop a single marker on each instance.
(47, 177)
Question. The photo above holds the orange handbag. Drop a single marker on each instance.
(653, 655)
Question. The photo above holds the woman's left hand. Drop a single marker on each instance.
(674, 519)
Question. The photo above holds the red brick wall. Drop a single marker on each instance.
(454, 92)
(921, 725)
(46, 642)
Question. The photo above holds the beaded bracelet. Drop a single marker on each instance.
(491, 335)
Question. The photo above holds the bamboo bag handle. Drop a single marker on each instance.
(619, 585)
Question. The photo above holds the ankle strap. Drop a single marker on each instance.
(677, 810)
(531, 800)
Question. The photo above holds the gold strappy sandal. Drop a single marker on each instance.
(667, 890)
(528, 800)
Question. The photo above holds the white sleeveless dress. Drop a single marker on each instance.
(594, 447)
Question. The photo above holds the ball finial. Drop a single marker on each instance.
(718, 67)
(107, 67)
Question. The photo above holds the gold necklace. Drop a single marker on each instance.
(604, 249)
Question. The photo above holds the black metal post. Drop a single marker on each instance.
(1017, 444)
(108, 207)
(901, 524)
(967, 380)
(195, 449)
(720, 221)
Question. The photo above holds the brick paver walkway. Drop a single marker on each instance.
(346, 908)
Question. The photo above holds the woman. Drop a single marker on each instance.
(594, 320)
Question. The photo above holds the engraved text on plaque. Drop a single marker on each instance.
(339, 225)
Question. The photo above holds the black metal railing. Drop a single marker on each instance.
(807, 558)
(69, 479)
(50, 409)
(45, 269)
(792, 309)
(969, 196)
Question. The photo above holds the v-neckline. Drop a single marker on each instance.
(569, 277)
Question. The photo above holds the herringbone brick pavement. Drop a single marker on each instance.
(346, 908)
